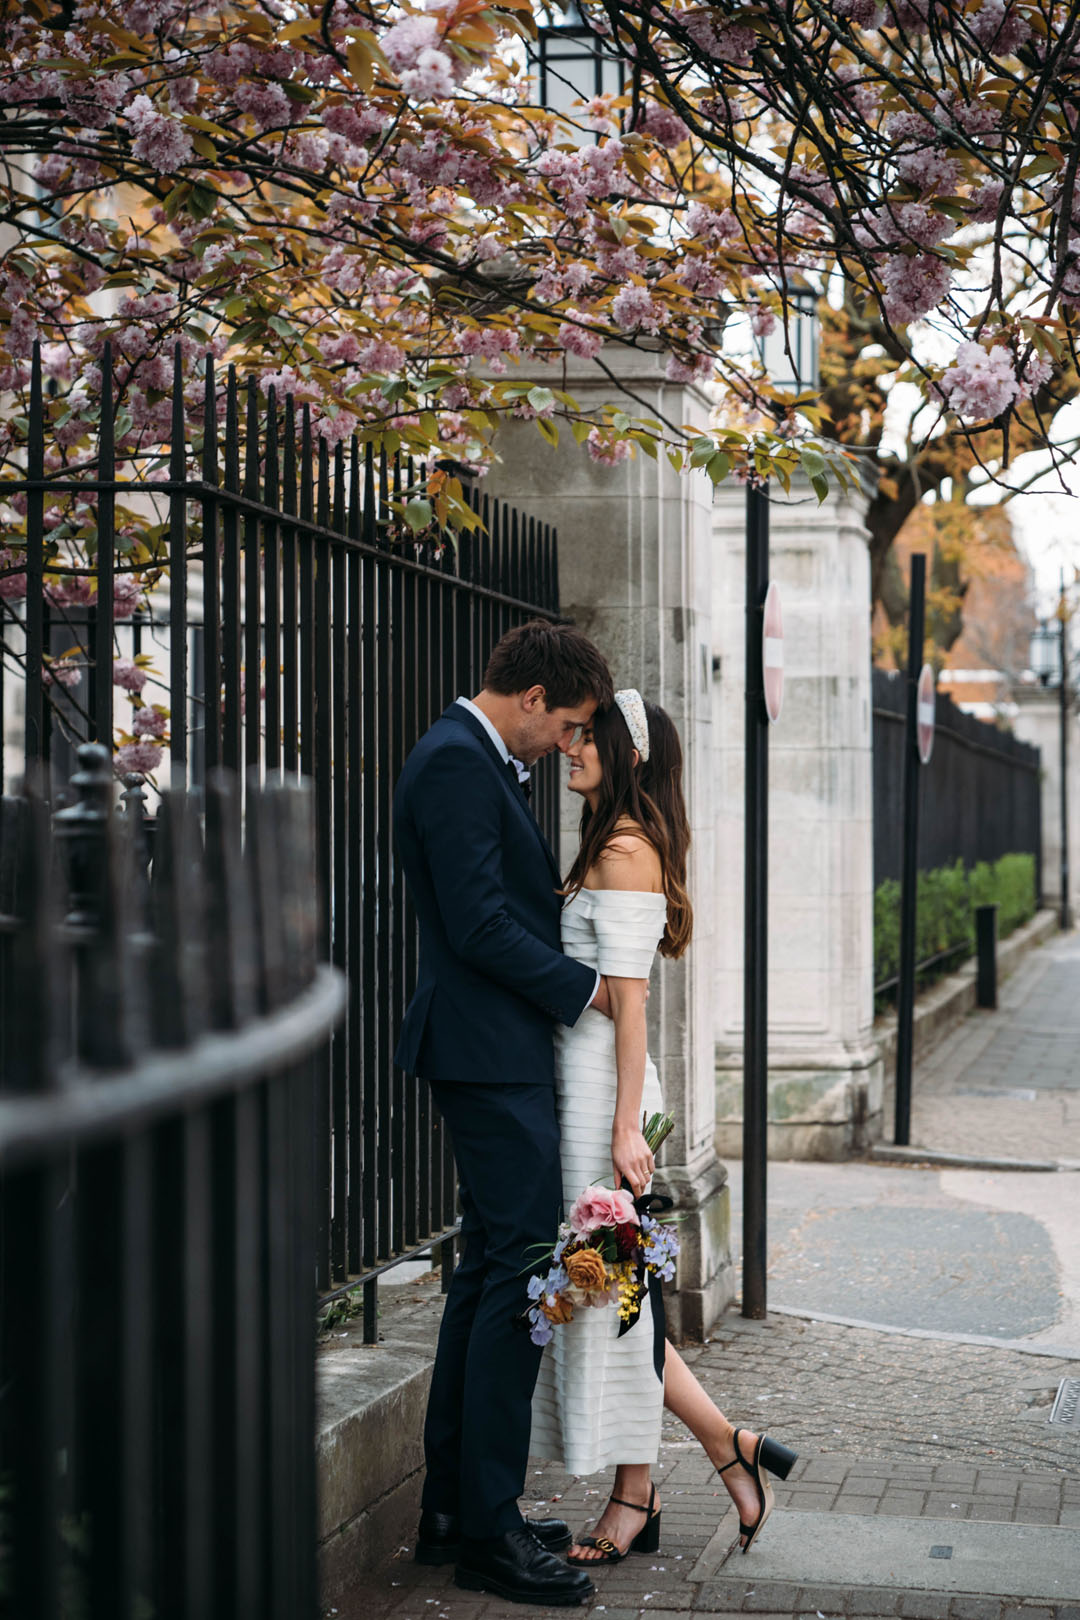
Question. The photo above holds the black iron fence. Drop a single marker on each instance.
(980, 791)
(306, 632)
(159, 1038)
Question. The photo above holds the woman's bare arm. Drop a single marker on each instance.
(629, 862)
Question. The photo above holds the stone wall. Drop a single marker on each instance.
(825, 1075)
(635, 566)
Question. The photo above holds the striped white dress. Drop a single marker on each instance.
(598, 1399)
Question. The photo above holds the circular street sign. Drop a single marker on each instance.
(772, 653)
(925, 706)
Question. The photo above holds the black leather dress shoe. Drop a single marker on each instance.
(517, 1567)
(440, 1536)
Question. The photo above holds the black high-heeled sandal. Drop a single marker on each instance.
(768, 1454)
(647, 1539)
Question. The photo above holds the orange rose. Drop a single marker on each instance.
(586, 1270)
(561, 1311)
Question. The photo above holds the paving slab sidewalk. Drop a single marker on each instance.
(1007, 1082)
(907, 1447)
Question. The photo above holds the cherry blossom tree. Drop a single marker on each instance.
(361, 203)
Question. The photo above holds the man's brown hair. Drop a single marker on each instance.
(555, 656)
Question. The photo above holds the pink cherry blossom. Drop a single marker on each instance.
(127, 597)
(986, 201)
(682, 371)
(981, 383)
(405, 42)
(22, 333)
(431, 78)
(94, 102)
(914, 285)
(633, 309)
(1000, 27)
(712, 225)
(12, 585)
(267, 104)
(355, 122)
(159, 140)
(605, 449)
(138, 757)
(928, 169)
(61, 672)
(1036, 370)
(129, 675)
(866, 13)
(228, 67)
(578, 340)
(150, 721)
(910, 16)
(663, 125)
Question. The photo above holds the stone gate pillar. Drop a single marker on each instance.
(1038, 721)
(635, 575)
(825, 1076)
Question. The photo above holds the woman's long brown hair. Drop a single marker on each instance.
(650, 795)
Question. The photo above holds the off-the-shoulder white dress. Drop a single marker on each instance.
(598, 1398)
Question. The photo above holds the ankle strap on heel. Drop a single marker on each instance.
(638, 1508)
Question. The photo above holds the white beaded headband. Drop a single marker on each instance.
(632, 710)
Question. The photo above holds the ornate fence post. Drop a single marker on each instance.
(92, 919)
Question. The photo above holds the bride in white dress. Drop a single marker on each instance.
(599, 1397)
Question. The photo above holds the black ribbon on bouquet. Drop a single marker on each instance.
(650, 1204)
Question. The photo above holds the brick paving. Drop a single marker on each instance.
(886, 1426)
(1008, 1082)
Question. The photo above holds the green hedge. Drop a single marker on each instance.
(947, 898)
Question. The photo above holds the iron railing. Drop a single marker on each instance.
(981, 792)
(160, 1042)
(293, 561)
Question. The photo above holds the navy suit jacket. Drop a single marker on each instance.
(493, 980)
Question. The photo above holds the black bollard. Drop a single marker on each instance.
(986, 956)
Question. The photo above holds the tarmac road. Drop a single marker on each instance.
(968, 1252)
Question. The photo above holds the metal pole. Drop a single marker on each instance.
(755, 911)
(905, 1002)
(1066, 921)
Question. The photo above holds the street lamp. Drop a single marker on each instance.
(796, 370)
(789, 353)
(1043, 656)
(575, 64)
(1049, 660)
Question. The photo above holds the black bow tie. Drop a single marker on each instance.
(524, 784)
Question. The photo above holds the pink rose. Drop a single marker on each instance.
(599, 1206)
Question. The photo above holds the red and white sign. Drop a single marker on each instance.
(925, 713)
(772, 653)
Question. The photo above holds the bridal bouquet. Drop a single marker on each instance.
(604, 1251)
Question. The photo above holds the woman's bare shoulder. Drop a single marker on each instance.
(627, 861)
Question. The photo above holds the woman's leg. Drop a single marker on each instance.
(633, 1482)
(685, 1398)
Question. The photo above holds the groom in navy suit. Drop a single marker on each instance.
(492, 985)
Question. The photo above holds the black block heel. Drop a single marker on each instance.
(647, 1540)
(778, 1459)
(768, 1454)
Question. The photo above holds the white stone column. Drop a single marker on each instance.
(635, 550)
(825, 1076)
(1038, 721)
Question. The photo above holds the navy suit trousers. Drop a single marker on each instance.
(476, 1438)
